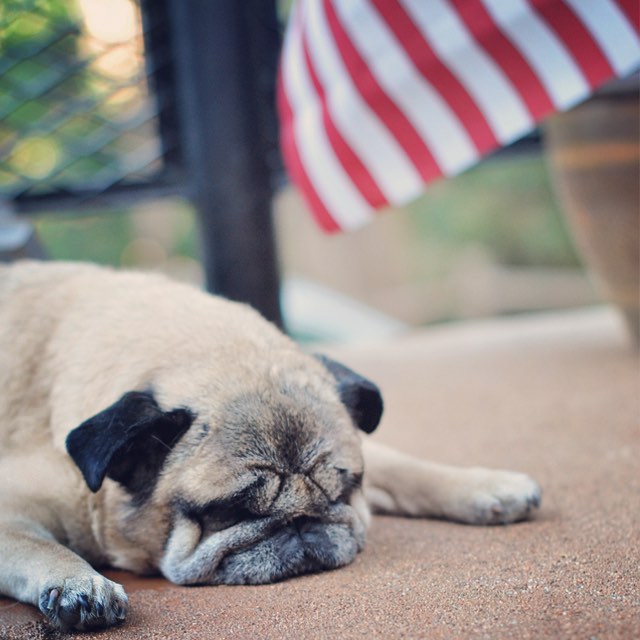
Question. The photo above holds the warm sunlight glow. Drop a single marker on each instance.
(113, 21)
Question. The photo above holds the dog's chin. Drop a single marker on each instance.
(263, 550)
(303, 546)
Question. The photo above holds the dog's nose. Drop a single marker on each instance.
(300, 496)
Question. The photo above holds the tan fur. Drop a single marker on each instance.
(75, 338)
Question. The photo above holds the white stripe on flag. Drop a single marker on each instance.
(500, 103)
(368, 138)
(611, 30)
(333, 186)
(424, 107)
(545, 53)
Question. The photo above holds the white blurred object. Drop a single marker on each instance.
(316, 313)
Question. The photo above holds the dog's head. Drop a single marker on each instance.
(260, 484)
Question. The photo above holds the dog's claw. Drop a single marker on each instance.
(84, 601)
(54, 594)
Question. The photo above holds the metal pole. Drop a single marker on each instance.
(225, 54)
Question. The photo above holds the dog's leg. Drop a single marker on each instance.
(35, 568)
(398, 484)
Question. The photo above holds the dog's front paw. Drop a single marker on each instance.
(496, 497)
(84, 602)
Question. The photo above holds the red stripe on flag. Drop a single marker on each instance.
(294, 164)
(570, 30)
(437, 74)
(488, 34)
(380, 103)
(351, 163)
(631, 9)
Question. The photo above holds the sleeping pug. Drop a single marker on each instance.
(152, 427)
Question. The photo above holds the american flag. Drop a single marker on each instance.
(378, 98)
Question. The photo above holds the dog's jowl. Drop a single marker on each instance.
(148, 426)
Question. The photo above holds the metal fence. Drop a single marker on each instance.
(104, 101)
(77, 116)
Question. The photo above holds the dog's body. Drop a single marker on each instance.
(151, 427)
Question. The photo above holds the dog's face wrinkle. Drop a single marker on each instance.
(272, 430)
(247, 504)
(288, 450)
(320, 488)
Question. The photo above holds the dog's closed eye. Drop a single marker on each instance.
(336, 483)
(215, 519)
(216, 515)
(225, 511)
(258, 498)
(350, 481)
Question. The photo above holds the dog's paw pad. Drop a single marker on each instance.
(499, 497)
(84, 603)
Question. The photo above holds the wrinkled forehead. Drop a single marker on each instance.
(288, 430)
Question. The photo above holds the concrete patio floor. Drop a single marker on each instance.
(555, 395)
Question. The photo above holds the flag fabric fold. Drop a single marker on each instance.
(378, 98)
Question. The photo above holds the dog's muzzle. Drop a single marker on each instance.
(263, 550)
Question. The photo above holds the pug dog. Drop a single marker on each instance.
(149, 426)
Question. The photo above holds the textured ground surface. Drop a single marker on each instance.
(556, 396)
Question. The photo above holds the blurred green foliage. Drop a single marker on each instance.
(30, 23)
(99, 238)
(105, 237)
(504, 204)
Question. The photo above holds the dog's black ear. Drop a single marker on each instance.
(128, 442)
(360, 396)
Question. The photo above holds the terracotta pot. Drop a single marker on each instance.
(594, 152)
